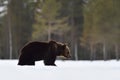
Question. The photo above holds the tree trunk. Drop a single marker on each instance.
(116, 52)
(76, 51)
(9, 31)
(10, 40)
(72, 23)
(49, 31)
(91, 52)
(104, 52)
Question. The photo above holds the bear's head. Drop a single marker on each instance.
(66, 51)
(63, 50)
(60, 49)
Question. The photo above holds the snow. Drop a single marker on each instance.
(65, 70)
(1, 9)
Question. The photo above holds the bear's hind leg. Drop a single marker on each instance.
(26, 63)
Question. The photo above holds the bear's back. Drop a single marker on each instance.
(38, 44)
(35, 47)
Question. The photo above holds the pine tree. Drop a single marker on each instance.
(46, 18)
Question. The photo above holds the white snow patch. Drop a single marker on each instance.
(65, 70)
(1, 9)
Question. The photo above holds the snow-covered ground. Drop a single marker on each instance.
(65, 70)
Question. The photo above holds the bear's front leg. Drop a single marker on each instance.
(49, 62)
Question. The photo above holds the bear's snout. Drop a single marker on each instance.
(67, 55)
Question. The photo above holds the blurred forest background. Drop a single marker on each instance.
(91, 28)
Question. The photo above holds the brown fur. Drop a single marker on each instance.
(47, 51)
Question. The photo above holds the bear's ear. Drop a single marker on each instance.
(65, 43)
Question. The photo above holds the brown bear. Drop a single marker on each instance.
(47, 51)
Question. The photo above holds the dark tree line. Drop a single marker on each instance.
(90, 27)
